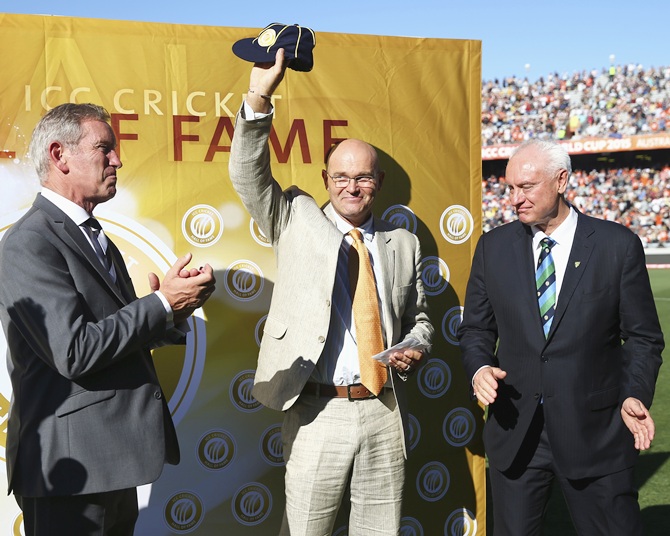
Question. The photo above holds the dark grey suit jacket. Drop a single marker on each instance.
(605, 344)
(88, 414)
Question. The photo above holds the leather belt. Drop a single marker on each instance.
(355, 391)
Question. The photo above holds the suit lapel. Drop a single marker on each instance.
(521, 251)
(582, 247)
(387, 258)
(74, 238)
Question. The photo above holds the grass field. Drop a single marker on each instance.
(653, 467)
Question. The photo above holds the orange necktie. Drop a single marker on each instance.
(366, 315)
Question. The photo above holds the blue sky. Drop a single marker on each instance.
(532, 38)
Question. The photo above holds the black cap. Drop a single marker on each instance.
(297, 42)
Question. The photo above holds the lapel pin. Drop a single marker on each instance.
(577, 263)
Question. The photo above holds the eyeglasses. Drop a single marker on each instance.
(364, 181)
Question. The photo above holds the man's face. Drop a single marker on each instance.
(92, 165)
(535, 195)
(353, 159)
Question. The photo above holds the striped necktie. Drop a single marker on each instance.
(366, 315)
(545, 282)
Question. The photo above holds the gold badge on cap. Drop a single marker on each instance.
(267, 38)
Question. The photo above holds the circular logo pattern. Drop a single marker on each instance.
(461, 522)
(434, 275)
(410, 526)
(258, 330)
(202, 226)
(258, 235)
(432, 481)
(450, 322)
(459, 427)
(244, 280)
(456, 224)
(434, 378)
(414, 431)
(271, 446)
(216, 449)
(401, 216)
(342, 531)
(183, 512)
(252, 504)
(267, 38)
(17, 526)
(240, 392)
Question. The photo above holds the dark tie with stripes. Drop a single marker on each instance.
(545, 281)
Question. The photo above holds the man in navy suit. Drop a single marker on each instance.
(568, 392)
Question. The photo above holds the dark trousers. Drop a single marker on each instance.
(602, 506)
(112, 513)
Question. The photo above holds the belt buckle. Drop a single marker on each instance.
(370, 395)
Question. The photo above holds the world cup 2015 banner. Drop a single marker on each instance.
(173, 92)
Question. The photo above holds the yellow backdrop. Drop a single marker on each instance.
(173, 92)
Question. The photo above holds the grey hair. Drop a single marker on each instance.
(557, 155)
(61, 124)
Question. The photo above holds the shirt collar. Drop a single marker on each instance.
(76, 213)
(367, 229)
(562, 233)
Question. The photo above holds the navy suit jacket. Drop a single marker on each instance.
(604, 345)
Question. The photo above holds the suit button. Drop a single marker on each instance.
(327, 303)
(544, 359)
(322, 338)
(158, 395)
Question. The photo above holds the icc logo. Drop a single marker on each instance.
(183, 512)
(271, 446)
(414, 431)
(434, 275)
(456, 224)
(252, 504)
(216, 449)
(240, 392)
(459, 427)
(410, 526)
(244, 280)
(401, 216)
(460, 522)
(450, 322)
(202, 226)
(258, 235)
(434, 378)
(432, 482)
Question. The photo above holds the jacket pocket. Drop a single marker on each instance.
(603, 399)
(82, 400)
(274, 328)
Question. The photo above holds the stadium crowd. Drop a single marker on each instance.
(620, 101)
(636, 197)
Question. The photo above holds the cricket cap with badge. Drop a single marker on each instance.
(297, 41)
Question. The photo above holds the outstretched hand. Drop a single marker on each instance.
(185, 289)
(638, 420)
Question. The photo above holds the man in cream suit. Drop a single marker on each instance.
(88, 420)
(336, 431)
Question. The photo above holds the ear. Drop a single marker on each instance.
(562, 181)
(324, 176)
(57, 156)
